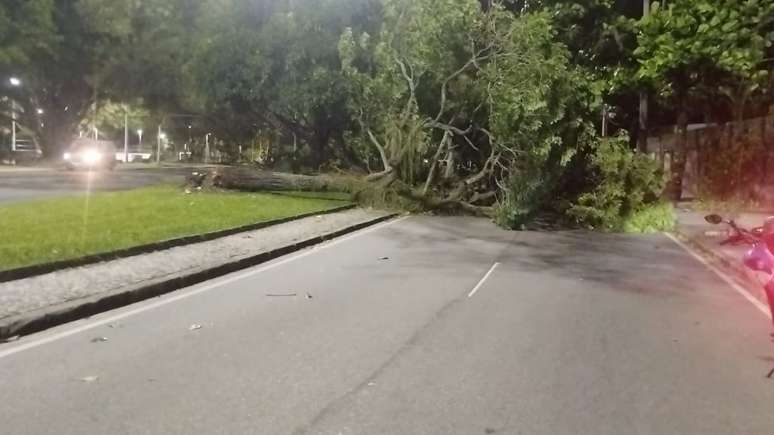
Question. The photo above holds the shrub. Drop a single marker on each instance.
(650, 219)
(522, 197)
(619, 182)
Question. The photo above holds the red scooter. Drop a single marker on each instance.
(760, 257)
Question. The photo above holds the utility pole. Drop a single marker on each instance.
(126, 135)
(207, 148)
(94, 113)
(15, 82)
(13, 127)
(642, 136)
(158, 145)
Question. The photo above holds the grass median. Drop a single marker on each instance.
(49, 230)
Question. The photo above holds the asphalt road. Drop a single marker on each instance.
(26, 184)
(571, 333)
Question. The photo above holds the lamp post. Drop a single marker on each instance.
(161, 135)
(15, 82)
(207, 148)
(126, 135)
(159, 138)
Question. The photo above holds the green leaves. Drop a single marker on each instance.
(622, 183)
(695, 40)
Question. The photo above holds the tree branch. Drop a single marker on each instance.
(453, 129)
(486, 170)
(434, 164)
(478, 56)
(411, 84)
(478, 196)
(382, 153)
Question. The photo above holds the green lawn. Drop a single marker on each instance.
(64, 228)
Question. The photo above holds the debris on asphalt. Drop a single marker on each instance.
(489, 430)
(308, 296)
(88, 379)
(10, 339)
(383, 258)
(114, 325)
(771, 373)
(281, 295)
(194, 327)
(99, 339)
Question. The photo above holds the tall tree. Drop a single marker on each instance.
(698, 51)
(70, 54)
(454, 101)
(276, 63)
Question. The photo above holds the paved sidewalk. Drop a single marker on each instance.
(29, 298)
(692, 228)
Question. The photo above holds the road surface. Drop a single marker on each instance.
(26, 184)
(420, 326)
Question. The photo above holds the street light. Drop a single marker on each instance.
(207, 148)
(15, 82)
(40, 111)
(139, 133)
(159, 137)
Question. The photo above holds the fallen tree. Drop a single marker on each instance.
(450, 102)
(255, 180)
(462, 110)
(453, 101)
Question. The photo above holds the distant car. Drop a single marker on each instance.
(90, 154)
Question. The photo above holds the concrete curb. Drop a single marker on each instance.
(40, 269)
(734, 266)
(45, 318)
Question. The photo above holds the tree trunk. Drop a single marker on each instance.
(319, 145)
(256, 180)
(674, 190)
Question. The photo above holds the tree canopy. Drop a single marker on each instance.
(486, 106)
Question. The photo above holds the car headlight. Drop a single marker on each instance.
(91, 156)
(67, 156)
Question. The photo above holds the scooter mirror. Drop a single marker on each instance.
(714, 219)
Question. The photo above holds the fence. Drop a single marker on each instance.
(705, 141)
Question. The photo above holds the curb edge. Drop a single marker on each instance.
(39, 320)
